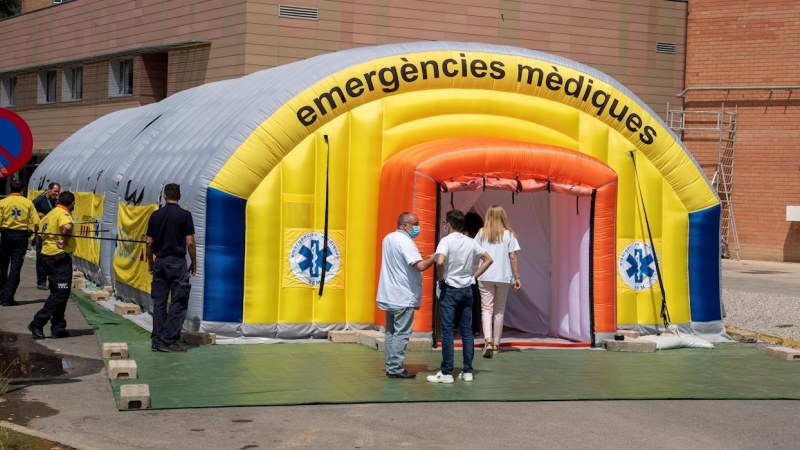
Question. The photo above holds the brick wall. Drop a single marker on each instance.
(751, 43)
(152, 77)
(32, 5)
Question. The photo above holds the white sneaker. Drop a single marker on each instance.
(440, 378)
(465, 376)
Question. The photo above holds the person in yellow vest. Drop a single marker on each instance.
(57, 248)
(18, 222)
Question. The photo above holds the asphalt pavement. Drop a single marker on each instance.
(78, 408)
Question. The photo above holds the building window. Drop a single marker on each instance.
(47, 87)
(8, 92)
(72, 84)
(120, 81)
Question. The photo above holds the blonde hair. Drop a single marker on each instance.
(496, 223)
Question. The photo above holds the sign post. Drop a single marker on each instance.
(16, 143)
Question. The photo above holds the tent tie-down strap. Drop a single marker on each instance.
(664, 310)
(325, 234)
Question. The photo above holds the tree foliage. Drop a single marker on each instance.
(10, 8)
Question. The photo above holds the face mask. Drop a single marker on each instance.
(414, 231)
(445, 231)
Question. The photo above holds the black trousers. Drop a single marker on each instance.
(170, 277)
(13, 245)
(59, 270)
(41, 276)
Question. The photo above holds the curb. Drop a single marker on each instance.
(42, 435)
(742, 335)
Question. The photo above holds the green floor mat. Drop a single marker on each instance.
(292, 374)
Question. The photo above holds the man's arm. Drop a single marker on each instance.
(486, 261)
(425, 264)
(439, 266)
(191, 245)
(150, 258)
(66, 235)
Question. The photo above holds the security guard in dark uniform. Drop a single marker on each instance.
(57, 248)
(18, 222)
(170, 233)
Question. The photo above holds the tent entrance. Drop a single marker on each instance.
(554, 306)
(562, 203)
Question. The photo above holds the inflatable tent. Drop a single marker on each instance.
(295, 174)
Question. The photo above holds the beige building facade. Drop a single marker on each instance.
(67, 64)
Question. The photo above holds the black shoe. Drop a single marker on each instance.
(36, 332)
(42, 287)
(59, 334)
(404, 375)
(172, 348)
(9, 303)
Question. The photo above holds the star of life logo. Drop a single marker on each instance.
(637, 266)
(16, 212)
(306, 258)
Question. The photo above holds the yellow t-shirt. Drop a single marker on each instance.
(53, 223)
(17, 213)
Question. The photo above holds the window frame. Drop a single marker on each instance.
(120, 77)
(9, 84)
(47, 78)
(68, 83)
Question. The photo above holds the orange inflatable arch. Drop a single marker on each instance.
(412, 181)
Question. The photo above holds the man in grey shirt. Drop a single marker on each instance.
(400, 290)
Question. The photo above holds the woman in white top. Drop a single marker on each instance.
(500, 242)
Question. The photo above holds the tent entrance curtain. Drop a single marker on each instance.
(554, 232)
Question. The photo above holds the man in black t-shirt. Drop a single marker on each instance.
(44, 204)
(170, 233)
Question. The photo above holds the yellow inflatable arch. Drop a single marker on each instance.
(310, 168)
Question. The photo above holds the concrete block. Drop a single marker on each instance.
(370, 339)
(134, 396)
(99, 296)
(743, 336)
(789, 354)
(109, 289)
(631, 345)
(77, 274)
(343, 336)
(198, 338)
(629, 334)
(419, 344)
(79, 283)
(122, 369)
(115, 350)
(127, 308)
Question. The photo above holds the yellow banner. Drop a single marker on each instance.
(130, 259)
(302, 261)
(88, 217)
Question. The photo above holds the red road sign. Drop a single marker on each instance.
(16, 142)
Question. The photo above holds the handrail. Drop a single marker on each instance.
(739, 88)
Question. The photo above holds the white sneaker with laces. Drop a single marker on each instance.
(465, 376)
(440, 378)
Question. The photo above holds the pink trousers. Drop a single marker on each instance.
(493, 303)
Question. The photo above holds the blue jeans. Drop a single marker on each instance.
(399, 323)
(456, 304)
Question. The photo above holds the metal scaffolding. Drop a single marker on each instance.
(719, 125)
